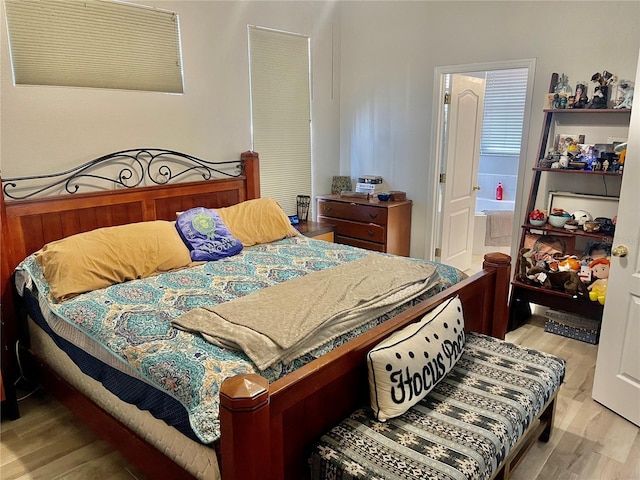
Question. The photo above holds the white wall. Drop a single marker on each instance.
(390, 50)
(48, 129)
(373, 67)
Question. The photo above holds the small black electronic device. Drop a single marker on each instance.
(294, 219)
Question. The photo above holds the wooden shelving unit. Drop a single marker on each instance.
(581, 182)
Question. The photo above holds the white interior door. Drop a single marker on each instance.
(617, 379)
(462, 155)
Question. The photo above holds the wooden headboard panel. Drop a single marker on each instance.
(28, 224)
(31, 223)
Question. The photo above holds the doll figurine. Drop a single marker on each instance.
(626, 100)
(580, 100)
(599, 99)
(600, 270)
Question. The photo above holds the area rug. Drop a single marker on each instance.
(572, 326)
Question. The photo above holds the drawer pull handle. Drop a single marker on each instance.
(328, 209)
(373, 215)
(370, 233)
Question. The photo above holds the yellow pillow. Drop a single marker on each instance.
(257, 221)
(106, 256)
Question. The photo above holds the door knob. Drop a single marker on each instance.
(620, 251)
(476, 187)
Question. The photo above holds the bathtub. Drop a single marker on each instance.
(491, 204)
(480, 225)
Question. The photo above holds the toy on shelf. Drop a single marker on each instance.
(621, 150)
(547, 274)
(569, 264)
(567, 281)
(598, 289)
(601, 92)
(625, 98)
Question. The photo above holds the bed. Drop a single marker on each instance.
(266, 425)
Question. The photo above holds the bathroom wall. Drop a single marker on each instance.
(491, 170)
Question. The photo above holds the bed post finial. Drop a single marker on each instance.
(245, 428)
(251, 165)
(502, 263)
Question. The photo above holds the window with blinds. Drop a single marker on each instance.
(504, 101)
(279, 64)
(94, 43)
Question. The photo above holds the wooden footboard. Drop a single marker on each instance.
(269, 428)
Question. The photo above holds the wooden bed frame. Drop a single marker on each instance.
(266, 430)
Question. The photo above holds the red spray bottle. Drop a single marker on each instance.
(499, 191)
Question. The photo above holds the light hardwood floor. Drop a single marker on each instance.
(47, 442)
(589, 441)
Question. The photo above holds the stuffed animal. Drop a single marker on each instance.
(569, 264)
(525, 263)
(600, 270)
(568, 282)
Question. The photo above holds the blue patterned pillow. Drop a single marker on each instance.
(205, 234)
(406, 366)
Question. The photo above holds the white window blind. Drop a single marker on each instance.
(504, 99)
(94, 43)
(281, 113)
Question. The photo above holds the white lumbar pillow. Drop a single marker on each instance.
(405, 367)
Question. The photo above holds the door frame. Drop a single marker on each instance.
(438, 140)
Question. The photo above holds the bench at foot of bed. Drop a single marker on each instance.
(475, 424)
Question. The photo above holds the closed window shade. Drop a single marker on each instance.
(281, 114)
(504, 99)
(94, 43)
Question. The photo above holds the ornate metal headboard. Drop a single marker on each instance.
(123, 169)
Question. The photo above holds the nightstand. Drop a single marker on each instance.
(317, 231)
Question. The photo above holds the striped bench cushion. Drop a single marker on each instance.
(463, 429)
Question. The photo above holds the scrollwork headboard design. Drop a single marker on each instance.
(123, 169)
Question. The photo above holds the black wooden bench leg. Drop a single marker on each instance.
(548, 416)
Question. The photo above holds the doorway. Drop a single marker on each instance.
(495, 165)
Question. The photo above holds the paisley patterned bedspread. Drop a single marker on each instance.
(463, 429)
(131, 322)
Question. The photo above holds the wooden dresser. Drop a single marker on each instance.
(370, 224)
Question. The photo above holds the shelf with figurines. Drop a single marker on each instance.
(609, 94)
(570, 154)
(574, 110)
(617, 173)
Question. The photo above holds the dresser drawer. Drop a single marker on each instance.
(353, 211)
(370, 232)
(354, 242)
